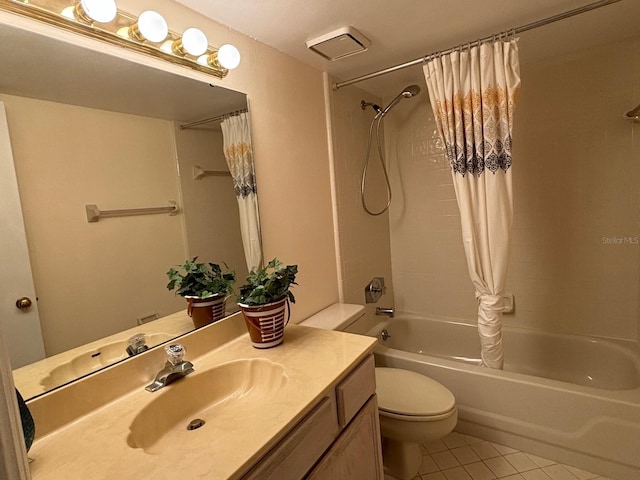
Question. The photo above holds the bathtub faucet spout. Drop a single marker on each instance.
(389, 312)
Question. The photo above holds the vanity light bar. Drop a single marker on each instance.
(148, 34)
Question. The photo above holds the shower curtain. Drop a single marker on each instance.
(473, 92)
(238, 152)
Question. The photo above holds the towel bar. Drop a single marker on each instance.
(94, 214)
(199, 172)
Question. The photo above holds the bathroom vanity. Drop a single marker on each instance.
(305, 409)
(347, 413)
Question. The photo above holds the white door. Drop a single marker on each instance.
(20, 326)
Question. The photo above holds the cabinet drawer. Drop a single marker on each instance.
(357, 454)
(355, 390)
(292, 458)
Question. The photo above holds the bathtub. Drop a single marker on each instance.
(573, 399)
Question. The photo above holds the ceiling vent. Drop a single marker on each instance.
(341, 43)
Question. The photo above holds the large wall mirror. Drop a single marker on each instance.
(89, 128)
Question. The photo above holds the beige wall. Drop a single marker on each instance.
(212, 221)
(364, 239)
(94, 279)
(579, 183)
(576, 175)
(289, 136)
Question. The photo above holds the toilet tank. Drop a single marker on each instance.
(339, 316)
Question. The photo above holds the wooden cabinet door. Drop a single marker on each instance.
(356, 454)
(294, 456)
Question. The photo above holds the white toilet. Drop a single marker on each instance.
(414, 409)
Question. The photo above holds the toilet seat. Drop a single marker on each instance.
(410, 396)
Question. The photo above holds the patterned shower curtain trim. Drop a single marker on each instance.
(477, 125)
(239, 153)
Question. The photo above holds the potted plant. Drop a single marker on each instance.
(263, 300)
(206, 288)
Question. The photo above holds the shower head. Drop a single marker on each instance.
(410, 91)
(407, 92)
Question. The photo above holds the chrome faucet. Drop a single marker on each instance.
(175, 368)
(389, 312)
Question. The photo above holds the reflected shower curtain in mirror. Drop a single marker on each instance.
(238, 152)
(473, 92)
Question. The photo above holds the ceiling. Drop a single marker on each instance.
(403, 30)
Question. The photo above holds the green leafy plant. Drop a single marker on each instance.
(269, 284)
(201, 280)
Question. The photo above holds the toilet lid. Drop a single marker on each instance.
(409, 393)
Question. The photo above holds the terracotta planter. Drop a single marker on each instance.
(204, 311)
(266, 322)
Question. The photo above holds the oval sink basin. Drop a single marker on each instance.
(187, 412)
(95, 359)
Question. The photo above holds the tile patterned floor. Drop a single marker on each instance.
(461, 457)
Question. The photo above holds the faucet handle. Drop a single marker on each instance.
(175, 353)
(137, 344)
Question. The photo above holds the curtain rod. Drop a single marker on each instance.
(523, 28)
(211, 119)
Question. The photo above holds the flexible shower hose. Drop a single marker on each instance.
(377, 120)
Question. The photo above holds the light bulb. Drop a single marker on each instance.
(228, 56)
(67, 12)
(204, 60)
(151, 26)
(167, 46)
(194, 42)
(102, 11)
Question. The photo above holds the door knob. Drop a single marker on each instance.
(23, 303)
